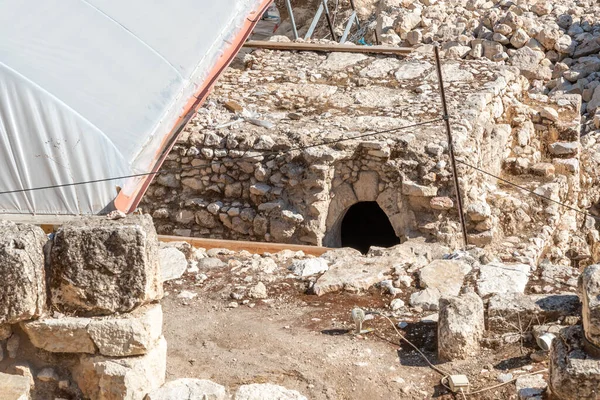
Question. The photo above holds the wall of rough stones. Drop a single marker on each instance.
(78, 312)
(534, 124)
(252, 166)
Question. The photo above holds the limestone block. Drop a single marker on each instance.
(441, 203)
(460, 326)
(413, 189)
(564, 148)
(121, 335)
(189, 389)
(64, 335)
(589, 288)
(128, 378)
(531, 387)
(510, 312)
(497, 277)
(573, 374)
(14, 387)
(172, 263)
(5, 331)
(353, 274)
(343, 198)
(128, 334)
(446, 276)
(341, 61)
(22, 287)
(366, 187)
(267, 391)
(102, 266)
(310, 266)
(427, 299)
(478, 211)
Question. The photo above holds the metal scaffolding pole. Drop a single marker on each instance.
(459, 203)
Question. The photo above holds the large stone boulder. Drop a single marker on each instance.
(589, 287)
(14, 387)
(22, 286)
(102, 266)
(131, 378)
(187, 388)
(460, 326)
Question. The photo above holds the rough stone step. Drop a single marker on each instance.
(512, 312)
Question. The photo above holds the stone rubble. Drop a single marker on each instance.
(98, 337)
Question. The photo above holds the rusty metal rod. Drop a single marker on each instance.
(459, 203)
(328, 17)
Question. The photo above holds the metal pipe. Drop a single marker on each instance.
(328, 17)
(314, 22)
(355, 14)
(292, 20)
(459, 203)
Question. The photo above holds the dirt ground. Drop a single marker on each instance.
(304, 342)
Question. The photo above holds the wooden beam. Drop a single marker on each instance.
(49, 223)
(239, 245)
(346, 48)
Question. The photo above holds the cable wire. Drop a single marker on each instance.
(527, 190)
(446, 375)
(248, 158)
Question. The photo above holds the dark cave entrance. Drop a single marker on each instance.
(366, 224)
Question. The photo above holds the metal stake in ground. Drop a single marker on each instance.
(459, 203)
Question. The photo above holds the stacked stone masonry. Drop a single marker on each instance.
(99, 335)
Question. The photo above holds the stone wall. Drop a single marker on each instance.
(252, 168)
(78, 312)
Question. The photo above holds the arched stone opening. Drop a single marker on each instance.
(364, 225)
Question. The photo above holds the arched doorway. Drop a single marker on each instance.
(366, 224)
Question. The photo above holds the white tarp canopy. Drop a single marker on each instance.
(95, 89)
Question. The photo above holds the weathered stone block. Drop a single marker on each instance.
(353, 275)
(573, 374)
(172, 263)
(589, 288)
(413, 189)
(22, 287)
(512, 312)
(129, 378)
(189, 389)
(14, 387)
(502, 278)
(128, 334)
(101, 266)
(460, 326)
(266, 391)
(60, 335)
(447, 276)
